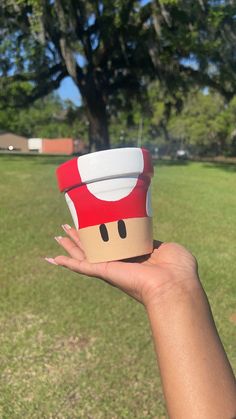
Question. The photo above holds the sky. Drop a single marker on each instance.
(68, 90)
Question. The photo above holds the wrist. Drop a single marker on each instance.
(173, 292)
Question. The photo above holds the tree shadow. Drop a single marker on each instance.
(56, 160)
(227, 167)
(160, 162)
(35, 158)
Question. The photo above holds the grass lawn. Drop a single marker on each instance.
(73, 347)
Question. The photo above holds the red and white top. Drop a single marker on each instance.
(107, 186)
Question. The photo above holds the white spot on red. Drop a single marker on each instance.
(112, 189)
(72, 210)
(149, 202)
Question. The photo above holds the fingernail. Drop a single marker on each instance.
(66, 227)
(58, 238)
(51, 260)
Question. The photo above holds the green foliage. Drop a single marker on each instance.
(206, 122)
(116, 48)
(142, 122)
(48, 118)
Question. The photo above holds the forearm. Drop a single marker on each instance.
(198, 381)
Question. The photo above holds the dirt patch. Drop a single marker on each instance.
(232, 318)
(72, 343)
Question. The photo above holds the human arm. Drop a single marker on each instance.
(198, 381)
(197, 378)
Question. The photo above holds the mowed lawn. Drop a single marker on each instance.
(73, 347)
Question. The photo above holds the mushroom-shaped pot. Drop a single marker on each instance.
(108, 194)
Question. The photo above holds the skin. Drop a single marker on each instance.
(197, 379)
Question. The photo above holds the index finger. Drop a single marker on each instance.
(73, 234)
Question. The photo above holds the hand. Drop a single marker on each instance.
(143, 278)
(196, 374)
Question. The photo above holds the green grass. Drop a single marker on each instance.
(71, 346)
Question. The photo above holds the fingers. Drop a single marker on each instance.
(110, 272)
(73, 234)
(114, 273)
(80, 266)
(72, 249)
(68, 262)
(126, 275)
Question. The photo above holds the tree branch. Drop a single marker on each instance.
(47, 73)
(74, 70)
(205, 80)
(41, 89)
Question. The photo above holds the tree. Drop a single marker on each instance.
(45, 41)
(48, 117)
(206, 123)
(109, 48)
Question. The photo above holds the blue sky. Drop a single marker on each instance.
(68, 90)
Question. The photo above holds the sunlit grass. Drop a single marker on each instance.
(71, 346)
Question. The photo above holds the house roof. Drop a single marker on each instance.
(10, 135)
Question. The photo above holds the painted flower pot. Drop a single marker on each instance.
(108, 194)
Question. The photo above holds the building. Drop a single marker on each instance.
(58, 146)
(13, 142)
(35, 145)
(66, 146)
(10, 142)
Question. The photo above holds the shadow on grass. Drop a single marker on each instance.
(227, 167)
(59, 159)
(159, 162)
(34, 158)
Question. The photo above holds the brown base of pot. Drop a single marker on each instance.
(135, 239)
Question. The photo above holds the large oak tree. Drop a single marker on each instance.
(112, 49)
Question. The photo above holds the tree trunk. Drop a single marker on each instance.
(98, 128)
(97, 117)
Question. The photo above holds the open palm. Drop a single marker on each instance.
(143, 278)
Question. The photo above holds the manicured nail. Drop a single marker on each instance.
(58, 238)
(51, 260)
(66, 227)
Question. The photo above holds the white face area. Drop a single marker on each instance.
(112, 189)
